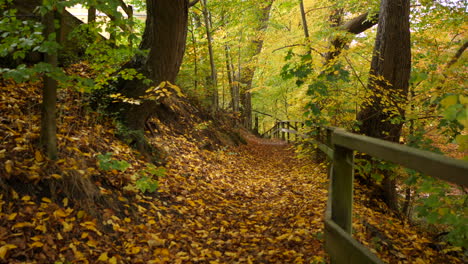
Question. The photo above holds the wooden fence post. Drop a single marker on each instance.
(276, 130)
(283, 134)
(296, 127)
(342, 187)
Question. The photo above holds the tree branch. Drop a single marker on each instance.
(360, 23)
(295, 45)
(193, 2)
(457, 55)
(354, 26)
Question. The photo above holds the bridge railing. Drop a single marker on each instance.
(339, 146)
(284, 130)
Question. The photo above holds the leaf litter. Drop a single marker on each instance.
(254, 203)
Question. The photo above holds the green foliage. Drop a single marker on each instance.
(439, 205)
(203, 125)
(107, 163)
(19, 36)
(148, 178)
(454, 108)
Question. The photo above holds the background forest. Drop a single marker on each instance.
(256, 62)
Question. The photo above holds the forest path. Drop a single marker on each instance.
(257, 203)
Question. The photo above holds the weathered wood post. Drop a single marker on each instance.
(256, 124)
(276, 130)
(283, 134)
(297, 131)
(342, 187)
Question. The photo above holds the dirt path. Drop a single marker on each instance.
(253, 204)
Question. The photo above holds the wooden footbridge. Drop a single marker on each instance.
(339, 146)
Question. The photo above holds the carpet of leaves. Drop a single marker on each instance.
(256, 203)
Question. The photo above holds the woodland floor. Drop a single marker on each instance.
(259, 202)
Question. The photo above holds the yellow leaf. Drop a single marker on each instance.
(56, 176)
(162, 84)
(60, 213)
(91, 226)
(463, 99)
(65, 201)
(80, 214)
(38, 156)
(21, 225)
(26, 198)
(67, 227)
(449, 100)
(156, 241)
(42, 228)
(284, 236)
(4, 250)
(452, 249)
(113, 260)
(134, 250)
(9, 166)
(33, 176)
(419, 261)
(46, 200)
(36, 244)
(103, 257)
(12, 216)
(92, 243)
(161, 252)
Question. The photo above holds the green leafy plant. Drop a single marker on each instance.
(148, 178)
(107, 163)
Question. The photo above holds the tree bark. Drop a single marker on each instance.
(249, 72)
(304, 20)
(354, 26)
(48, 137)
(213, 85)
(388, 82)
(234, 90)
(165, 36)
(91, 14)
(195, 60)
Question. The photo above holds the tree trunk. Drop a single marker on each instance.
(195, 60)
(48, 137)
(233, 87)
(249, 71)
(165, 35)
(383, 111)
(354, 26)
(213, 84)
(91, 14)
(304, 21)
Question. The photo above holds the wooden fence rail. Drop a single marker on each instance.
(284, 130)
(339, 146)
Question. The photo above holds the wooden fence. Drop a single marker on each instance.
(339, 146)
(284, 130)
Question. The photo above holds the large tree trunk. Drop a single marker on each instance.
(383, 111)
(164, 36)
(248, 72)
